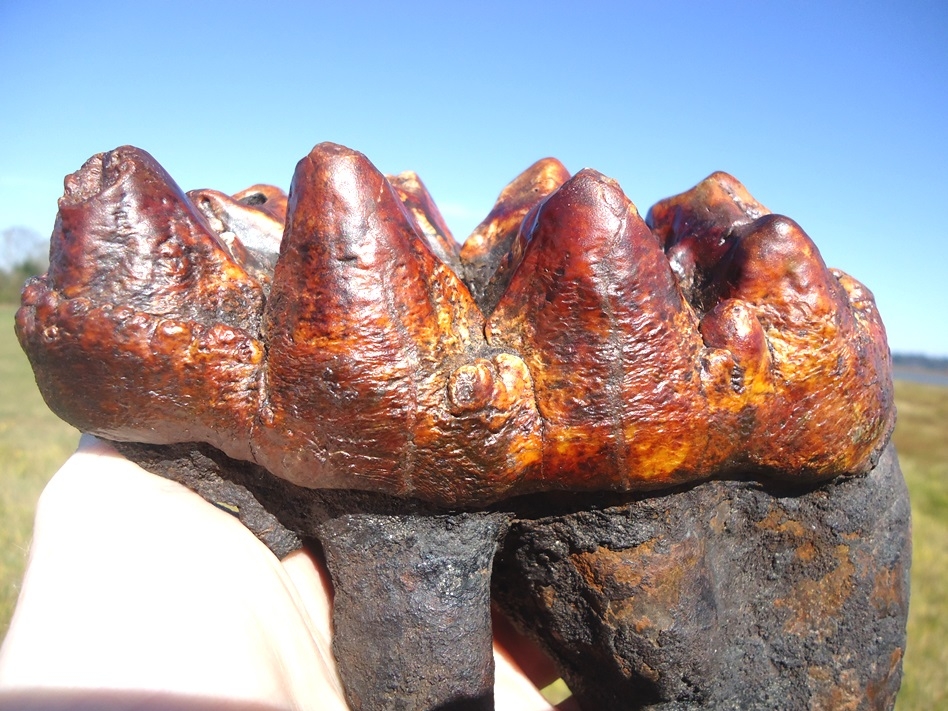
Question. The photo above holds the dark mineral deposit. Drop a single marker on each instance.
(727, 595)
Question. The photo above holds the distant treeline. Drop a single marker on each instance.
(13, 279)
(920, 362)
(23, 253)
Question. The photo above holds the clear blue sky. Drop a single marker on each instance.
(834, 113)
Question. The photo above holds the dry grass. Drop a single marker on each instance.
(33, 443)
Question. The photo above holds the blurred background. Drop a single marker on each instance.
(832, 113)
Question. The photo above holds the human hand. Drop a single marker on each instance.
(139, 593)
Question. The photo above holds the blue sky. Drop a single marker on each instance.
(833, 113)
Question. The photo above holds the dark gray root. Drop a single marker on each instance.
(725, 595)
(411, 608)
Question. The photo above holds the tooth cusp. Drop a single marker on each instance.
(340, 338)
(471, 387)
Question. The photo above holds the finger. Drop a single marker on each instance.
(522, 652)
(312, 593)
(136, 583)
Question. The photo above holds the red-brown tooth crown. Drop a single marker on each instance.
(420, 205)
(492, 236)
(268, 198)
(707, 212)
(361, 318)
(596, 313)
(696, 229)
(775, 266)
(144, 328)
(251, 235)
(596, 373)
(828, 372)
(127, 234)
(486, 254)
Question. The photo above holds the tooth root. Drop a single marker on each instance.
(696, 228)
(420, 205)
(492, 251)
(362, 319)
(412, 598)
(595, 312)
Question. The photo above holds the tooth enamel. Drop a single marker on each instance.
(486, 254)
(616, 354)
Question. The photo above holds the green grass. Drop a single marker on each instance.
(34, 443)
(921, 437)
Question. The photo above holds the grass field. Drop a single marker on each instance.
(921, 437)
(33, 443)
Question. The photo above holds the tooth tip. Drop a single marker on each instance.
(380, 372)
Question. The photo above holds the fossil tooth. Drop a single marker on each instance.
(696, 228)
(127, 234)
(251, 234)
(267, 198)
(489, 254)
(365, 326)
(371, 376)
(144, 327)
(832, 402)
(421, 206)
(596, 311)
(618, 354)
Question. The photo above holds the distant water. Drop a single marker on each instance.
(921, 376)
